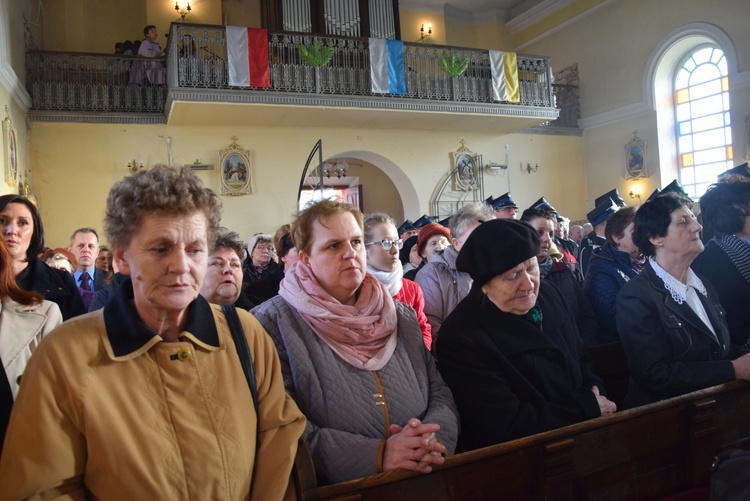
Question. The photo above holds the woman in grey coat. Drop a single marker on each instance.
(353, 359)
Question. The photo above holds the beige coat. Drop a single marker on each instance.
(109, 411)
(21, 330)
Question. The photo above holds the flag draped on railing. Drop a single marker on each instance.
(387, 66)
(247, 51)
(505, 76)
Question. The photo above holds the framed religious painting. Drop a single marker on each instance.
(465, 169)
(236, 170)
(635, 158)
(10, 143)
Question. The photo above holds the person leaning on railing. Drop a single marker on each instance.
(353, 358)
(670, 321)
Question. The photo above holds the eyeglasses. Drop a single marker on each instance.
(264, 247)
(387, 244)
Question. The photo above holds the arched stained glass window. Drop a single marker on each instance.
(704, 132)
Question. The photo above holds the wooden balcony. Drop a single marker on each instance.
(185, 86)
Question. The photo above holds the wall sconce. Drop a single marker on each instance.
(635, 195)
(422, 34)
(181, 12)
(529, 169)
(134, 167)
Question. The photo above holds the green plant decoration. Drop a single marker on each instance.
(453, 65)
(316, 54)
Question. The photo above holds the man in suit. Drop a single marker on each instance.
(84, 244)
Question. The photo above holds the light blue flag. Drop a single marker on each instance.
(387, 66)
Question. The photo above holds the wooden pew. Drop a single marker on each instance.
(643, 453)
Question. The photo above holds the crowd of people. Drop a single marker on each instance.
(203, 360)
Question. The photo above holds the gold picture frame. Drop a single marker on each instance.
(465, 169)
(236, 167)
(635, 158)
(10, 144)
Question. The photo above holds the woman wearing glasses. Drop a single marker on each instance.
(353, 358)
(383, 245)
(259, 263)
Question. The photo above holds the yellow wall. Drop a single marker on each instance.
(69, 157)
(95, 26)
(411, 22)
(610, 44)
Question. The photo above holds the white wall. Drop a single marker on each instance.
(612, 45)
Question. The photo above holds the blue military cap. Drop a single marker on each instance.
(742, 170)
(405, 226)
(445, 222)
(543, 205)
(675, 187)
(422, 221)
(614, 195)
(653, 195)
(602, 212)
(503, 201)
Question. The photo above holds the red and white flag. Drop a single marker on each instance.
(247, 50)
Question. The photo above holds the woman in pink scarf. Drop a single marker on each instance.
(353, 359)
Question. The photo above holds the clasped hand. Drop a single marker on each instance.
(606, 406)
(413, 447)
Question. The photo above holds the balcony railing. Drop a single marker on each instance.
(196, 58)
(199, 54)
(62, 81)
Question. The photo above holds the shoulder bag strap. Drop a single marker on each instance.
(243, 351)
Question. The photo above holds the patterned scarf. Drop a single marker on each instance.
(739, 253)
(638, 263)
(391, 279)
(535, 316)
(545, 267)
(363, 335)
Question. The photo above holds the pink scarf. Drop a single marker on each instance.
(363, 335)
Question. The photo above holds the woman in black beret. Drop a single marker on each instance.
(510, 351)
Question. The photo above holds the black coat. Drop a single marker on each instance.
(670, 350)
(583, 312)
(509, 378)
(732, 288)
(55, 285)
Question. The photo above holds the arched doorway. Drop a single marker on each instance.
(385, 186)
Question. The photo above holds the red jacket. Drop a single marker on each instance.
(411, 294)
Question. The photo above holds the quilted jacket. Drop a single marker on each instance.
(443, 287)
(609, 270)
(345, 423)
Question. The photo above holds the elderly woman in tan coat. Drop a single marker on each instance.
(146, 398)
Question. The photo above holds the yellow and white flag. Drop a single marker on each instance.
(505, 76)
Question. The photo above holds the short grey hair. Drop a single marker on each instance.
(468, 215)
